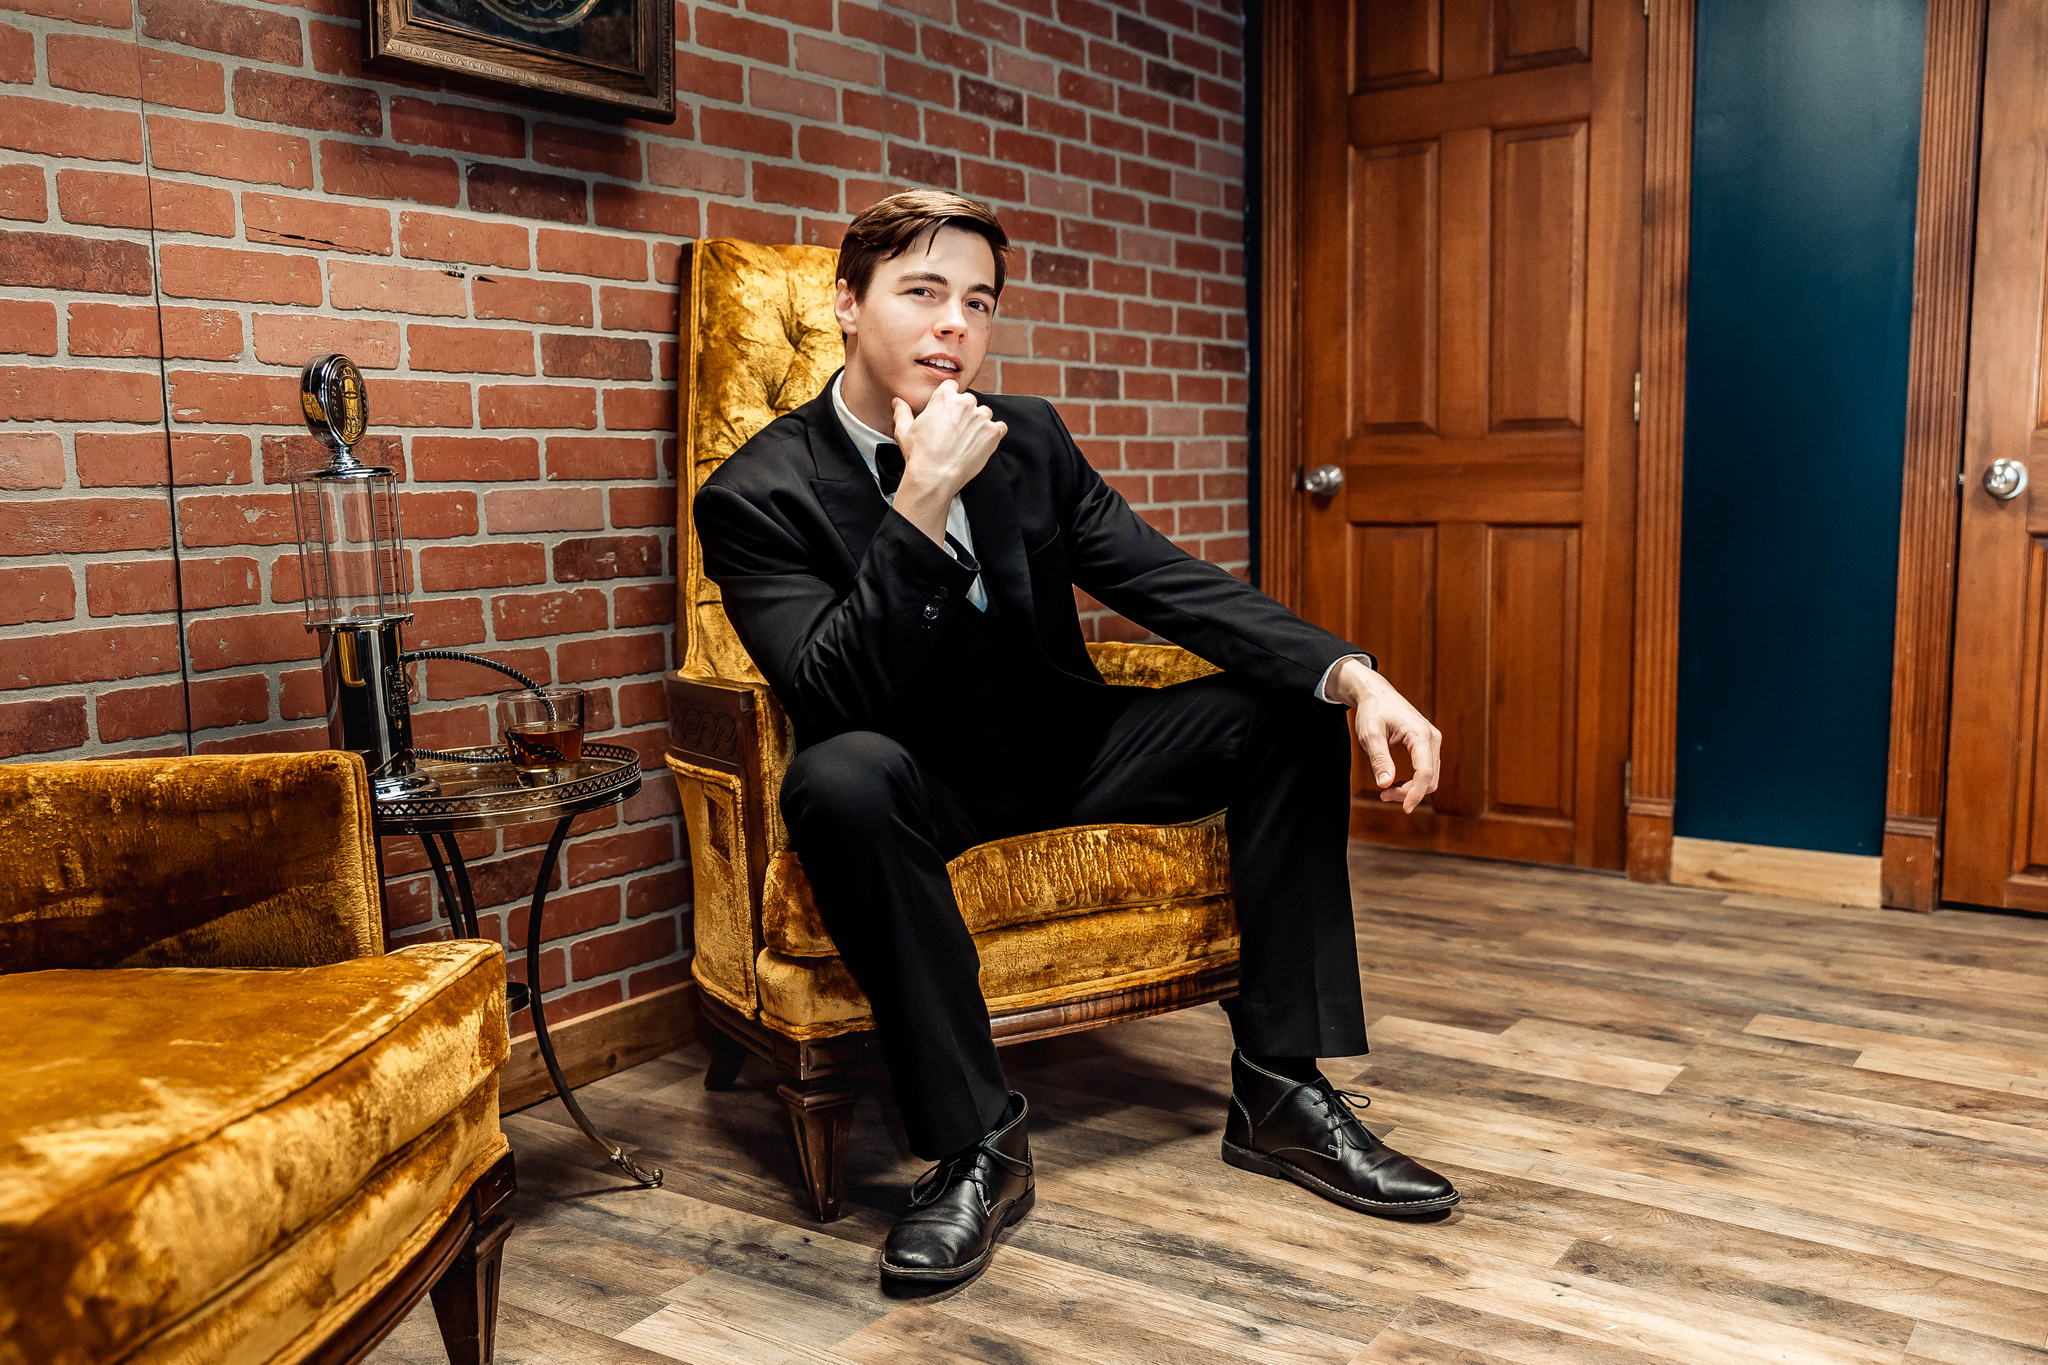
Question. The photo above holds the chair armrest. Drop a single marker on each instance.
(1130, 665)
(263, 860)
(729, 743)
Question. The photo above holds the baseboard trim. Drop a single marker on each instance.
(1802, 874)
(592, 1046)
(1912, 862)
(1649, 842)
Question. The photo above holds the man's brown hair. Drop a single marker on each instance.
(885, 230)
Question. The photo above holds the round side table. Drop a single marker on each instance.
(480, 789)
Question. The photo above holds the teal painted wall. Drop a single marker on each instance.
(1805, 151)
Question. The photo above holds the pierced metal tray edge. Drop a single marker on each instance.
(625, 771)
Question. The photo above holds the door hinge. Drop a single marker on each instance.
(1628, 782)
(1636, 408)
(1646, 9)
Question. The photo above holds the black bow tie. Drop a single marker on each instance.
(889, 467)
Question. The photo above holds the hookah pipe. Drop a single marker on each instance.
(456, 655)
(351, 552)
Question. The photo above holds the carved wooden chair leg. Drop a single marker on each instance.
(727, 1054)
(821, 1118)
(466, 1295)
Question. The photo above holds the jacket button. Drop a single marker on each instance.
(931, 611)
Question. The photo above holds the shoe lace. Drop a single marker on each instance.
(1340, 1108)
(965, 1166)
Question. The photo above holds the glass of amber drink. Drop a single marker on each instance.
(543, 729)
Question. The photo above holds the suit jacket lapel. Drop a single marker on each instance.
(998, 541)
(845, 486)
(847, 490)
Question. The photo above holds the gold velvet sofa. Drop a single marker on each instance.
(1076, 927)
(232, 1128)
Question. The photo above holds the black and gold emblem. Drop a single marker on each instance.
(336, 405)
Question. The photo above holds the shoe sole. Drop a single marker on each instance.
(955, 1274)
(1245, 1159)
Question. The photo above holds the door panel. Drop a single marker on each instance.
(1995, 849)
(1531, 636)
(2030, 850)
(1539, 277)
(1394, 284)
(1484, 211)
(1399, 44)
(1531, 33)
(1394, 572)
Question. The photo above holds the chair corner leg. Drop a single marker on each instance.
(821, 1120)
(727, 1056)
(466, 1296)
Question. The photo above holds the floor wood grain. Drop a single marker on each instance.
(1690, 1127)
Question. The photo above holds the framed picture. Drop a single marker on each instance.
(619, 53)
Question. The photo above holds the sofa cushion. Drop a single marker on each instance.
(163, 1131)
(1023, 966)
(1029, 878)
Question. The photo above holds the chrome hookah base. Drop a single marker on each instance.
(369, 707)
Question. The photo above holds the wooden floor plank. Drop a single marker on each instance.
(1952, 1346)
(1742, 1210)
(1692, 1334)
(922, 1334)
(1690, 1127)
(1455, 1327)
(2028, 1058)
(1512, 1052)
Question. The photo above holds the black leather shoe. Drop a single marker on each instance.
(958, 1206)
(1308, 1133)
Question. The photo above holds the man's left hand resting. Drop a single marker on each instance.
(1383, 717)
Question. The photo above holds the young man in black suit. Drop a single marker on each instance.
(899, 557)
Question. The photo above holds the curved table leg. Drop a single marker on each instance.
(649, 1176)
(462, 891)
(450, 905)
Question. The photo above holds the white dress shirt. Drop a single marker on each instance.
(865, 438)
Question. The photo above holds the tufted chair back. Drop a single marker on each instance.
(760, 341)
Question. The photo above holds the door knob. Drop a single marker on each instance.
(2005, 480)
(1323, 480)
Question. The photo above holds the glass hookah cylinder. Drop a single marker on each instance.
(352, 556)
(350, 547)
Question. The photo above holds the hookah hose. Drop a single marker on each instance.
(457, 656)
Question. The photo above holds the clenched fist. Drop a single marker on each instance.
(944, 447)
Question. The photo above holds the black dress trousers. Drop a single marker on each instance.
(876, 816)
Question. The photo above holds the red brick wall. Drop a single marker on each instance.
(200, 195)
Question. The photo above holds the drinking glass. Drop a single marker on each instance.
(543, 728)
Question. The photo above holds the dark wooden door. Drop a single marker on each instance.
(1996, 821)
(1472, 210)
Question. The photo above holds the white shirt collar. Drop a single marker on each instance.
(864, 437)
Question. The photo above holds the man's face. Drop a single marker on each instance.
(924, 320)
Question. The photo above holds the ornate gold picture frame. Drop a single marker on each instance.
(617, 53)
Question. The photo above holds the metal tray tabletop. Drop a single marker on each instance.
(482, 790)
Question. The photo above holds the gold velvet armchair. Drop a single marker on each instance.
(233, 1131)
(1076, 927)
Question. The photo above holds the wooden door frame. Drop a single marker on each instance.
(1283, 58)
(1660, 444)
(1952, 102)
(1923, 647)
(1661, 438)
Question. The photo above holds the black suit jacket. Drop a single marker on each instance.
(839, 599)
